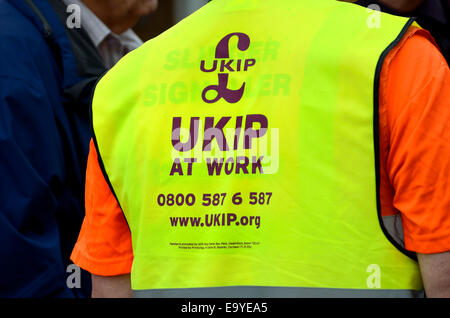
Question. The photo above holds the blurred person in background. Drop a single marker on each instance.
(49, 64)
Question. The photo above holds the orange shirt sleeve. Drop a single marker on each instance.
(104, 243)
(415, 142)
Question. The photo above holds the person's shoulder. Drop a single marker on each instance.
(22, 43)
(413, 65)
(18, 31)
(16, 23)
(419, 50)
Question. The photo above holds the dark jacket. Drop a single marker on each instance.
(433, 15)
(47, 75)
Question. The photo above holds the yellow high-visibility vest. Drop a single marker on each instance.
(241, 146)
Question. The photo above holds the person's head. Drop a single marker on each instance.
(120, 15)
(402, 6)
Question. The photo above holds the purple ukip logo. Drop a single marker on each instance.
(225, 65)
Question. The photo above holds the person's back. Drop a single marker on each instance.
(246, 167)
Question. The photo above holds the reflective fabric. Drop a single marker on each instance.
(276, 292)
